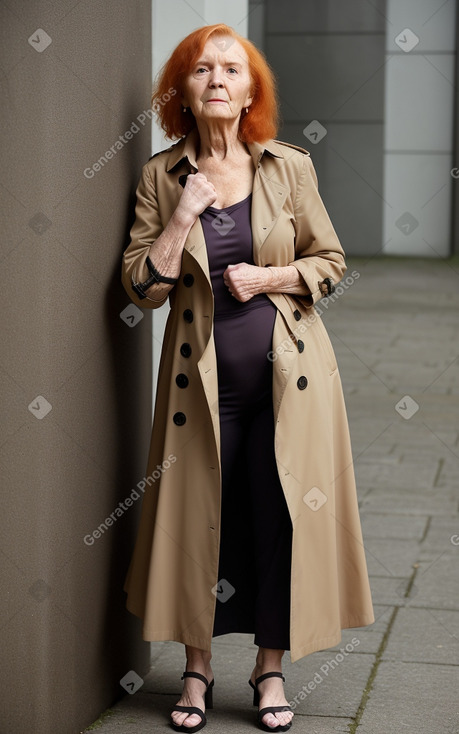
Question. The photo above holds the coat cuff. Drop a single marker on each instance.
(319, 287)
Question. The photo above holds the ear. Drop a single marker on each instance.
(248, 102)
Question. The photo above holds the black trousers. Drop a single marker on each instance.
(256, 530)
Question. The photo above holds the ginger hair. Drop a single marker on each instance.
(261, 123)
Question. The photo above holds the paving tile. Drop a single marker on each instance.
(139, 713)
(414, 698)
(389, 557)
(448, 475)
(433, 502)
(437, 581)
(320, 725)
(235, 639)
(424, 636)
(388, 590)
(330, 682)
(390, 526)
(156, 649)
(369, 637)
(419, 473)
(442, 533)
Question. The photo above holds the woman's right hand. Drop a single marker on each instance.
(198, 194)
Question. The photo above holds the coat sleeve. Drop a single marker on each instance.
(319, 254)
(146, 229)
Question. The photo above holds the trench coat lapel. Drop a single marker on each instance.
(268, 195)
(267, 201)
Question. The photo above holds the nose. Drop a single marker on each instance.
(215, 78)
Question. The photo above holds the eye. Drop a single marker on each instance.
(201, 68)
(232, 69)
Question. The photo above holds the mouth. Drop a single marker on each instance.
(217, 100)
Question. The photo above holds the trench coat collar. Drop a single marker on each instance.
(187, 147)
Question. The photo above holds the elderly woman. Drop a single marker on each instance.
(251, 524)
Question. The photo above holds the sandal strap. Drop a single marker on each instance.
(192, 674)
(191, 710)
(273, 710)
(269, 675)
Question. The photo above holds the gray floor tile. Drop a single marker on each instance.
(369, 637)
(400, 502)
(437, 581)
(391, 526)
(329, 683)
(424, 635)
(442, 532)
(412, 697)
(388, 590)
(389, 557)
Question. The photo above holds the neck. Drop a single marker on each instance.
(219, 140)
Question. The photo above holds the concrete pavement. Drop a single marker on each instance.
(395, 330)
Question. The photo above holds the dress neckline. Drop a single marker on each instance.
(230, 207)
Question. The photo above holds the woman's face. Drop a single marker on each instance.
(218, 85)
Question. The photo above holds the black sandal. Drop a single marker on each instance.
(268, 709)
(208, 699)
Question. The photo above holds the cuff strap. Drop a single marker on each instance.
(155, 277)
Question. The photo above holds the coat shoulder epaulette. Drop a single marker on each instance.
(166, 150)
(295, 147)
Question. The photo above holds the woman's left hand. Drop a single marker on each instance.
(245, 281)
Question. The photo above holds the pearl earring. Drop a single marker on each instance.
(184, 109)
(246, 110)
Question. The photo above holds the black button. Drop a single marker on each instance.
(302, 382)
(179, 419)
(300, 345)
(181, 380)
(188, 280)
(185, 350)
(188, 315)
(297, 315)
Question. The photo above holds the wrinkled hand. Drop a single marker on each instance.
(198, 194)
(245, 281)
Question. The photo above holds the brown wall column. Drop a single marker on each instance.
(75, 376)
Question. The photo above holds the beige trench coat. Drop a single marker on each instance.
(174, 569)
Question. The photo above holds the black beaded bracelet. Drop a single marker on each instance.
(155, 277)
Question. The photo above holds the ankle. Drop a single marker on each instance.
(268, 660)
(197, 660)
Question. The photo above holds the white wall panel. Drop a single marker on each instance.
(419, 113)
(418, 130)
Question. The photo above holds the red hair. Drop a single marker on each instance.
(259, 124)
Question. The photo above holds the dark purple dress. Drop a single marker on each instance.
(255, 546)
